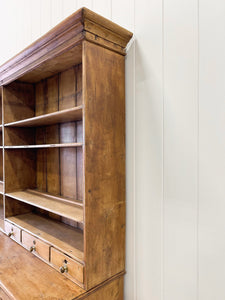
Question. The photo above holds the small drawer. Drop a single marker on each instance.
(13, 231)
(35, 245)
(67, 265)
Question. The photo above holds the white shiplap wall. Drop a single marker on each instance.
(175, 114)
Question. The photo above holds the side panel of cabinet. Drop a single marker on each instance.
(104, 163)
(112, 290)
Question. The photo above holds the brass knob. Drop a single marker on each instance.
(33, 247)
(10, 233)
(64, 268)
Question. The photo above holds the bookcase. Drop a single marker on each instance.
(62, 153)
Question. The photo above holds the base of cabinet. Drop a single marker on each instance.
(24, 276)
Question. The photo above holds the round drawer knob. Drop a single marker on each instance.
(63, 269)
(10, 233)
(32, 248)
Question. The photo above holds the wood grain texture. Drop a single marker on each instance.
(37, 278)
(41, 249)
(18, 101)
(75, 269)
(20, 169)
(104, 156)
(62, 38)
(51, 204)
(61, 236)
(67, 115)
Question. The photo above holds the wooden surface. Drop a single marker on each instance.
(1, 187)
(66, 115)
(42, 249)
(26, 277)
(75, 269)
(68, 34)
(39, 281)
(82, 160)
(51, 204)
(13, 230)
(104, 156)
(66, 145)
(63, 237)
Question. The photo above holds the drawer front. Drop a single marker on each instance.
(67, 265)
(35, 245)
(12, 231)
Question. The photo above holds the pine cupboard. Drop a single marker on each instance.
(62, 156)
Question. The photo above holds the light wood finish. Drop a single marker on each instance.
(63, 151)
(41, 249)
(68, 34)
(63, 237)
(1, 187)
(3, 295)
(66, 145)
(63, 116)
(29, 278)
(20, 162)
(75, 269)
(103, 78)
(13, 231)
(55, 205)
(26, 277)
(1, 224)
(18, 101)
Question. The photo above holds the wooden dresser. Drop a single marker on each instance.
(62, 163)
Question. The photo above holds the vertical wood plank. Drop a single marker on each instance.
(52, 104)
(103, 78)
(68, 161)
(78, 84)
(53, 171)
(67, 89)
(211, 149)
(180, 149)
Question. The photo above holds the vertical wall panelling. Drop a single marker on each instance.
(211, 150)
(57, 11)
(69, 6)
(180, 149)
(103, 8)
(163, 133)
(35, 19)
(46, 16)
(148, 148)
(85, 3)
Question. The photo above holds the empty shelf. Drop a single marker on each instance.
(63, 237)
(67, 115)
(65, 145)
(57, 205)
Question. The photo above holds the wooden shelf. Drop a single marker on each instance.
(56, 205)
(67, 115)
(1, 187)
(63, 237)
(64, 145)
